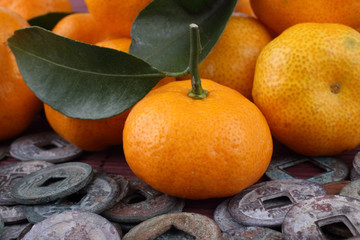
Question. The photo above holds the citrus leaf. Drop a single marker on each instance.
(78, 79)
(160, 33)
(49, 20)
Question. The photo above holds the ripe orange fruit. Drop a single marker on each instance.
(18, 105)
(82, 27)
(243, 6)
(197, 149)
(307, 86)
(93, 135)
(279, 14)
(232, 61)
(116, 16)
(33, 8)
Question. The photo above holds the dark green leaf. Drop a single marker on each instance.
(161, 31)
(49, 20)
(78, 79)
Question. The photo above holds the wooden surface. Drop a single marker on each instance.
(112, 160)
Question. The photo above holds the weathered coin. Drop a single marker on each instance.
(352, 189)
(334, 169)
(52, 183)
(334, 187)
(14, 232)
(356, 163)
(123, 184)
(141, 203)
(96, 197)
(12, 173)
(1, 225)
(354, 175)
(13, 214)
(4, 151)
(267, 205)
(46, 146)
(73, 225)
(308, 219)
(223, 218)
(193, 224)
(252, 233)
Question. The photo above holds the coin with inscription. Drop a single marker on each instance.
(12, 173)
(14, 232)
(52, 183)
(96, 197)
(46, 146)
(267, 205)
(252, 233)
(193, 225)
(142, 202)
(73, 225)
(13, 214)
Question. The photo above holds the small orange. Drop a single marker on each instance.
(18, 104)
(232, 61)
(33, 8)
(82, 27)
(93, 135)
(116, 16)
(307, 86)
(197, 149)
(243, 6)
(279, 14)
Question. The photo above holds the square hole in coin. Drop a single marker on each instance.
(277, 200)
(337, 227)
(305, 169)
(134, 197)
(52, 181)
(174, 233)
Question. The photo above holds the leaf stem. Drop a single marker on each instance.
(197, 92)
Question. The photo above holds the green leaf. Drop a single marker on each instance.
(161, 31)
(49, 20)
(78, 79)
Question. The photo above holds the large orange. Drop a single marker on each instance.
(197, 149)
(33, 8)
(93, 135)
(18, 105)
(82, 27)
(116, 16)
(307, 85)
(232, 61)
(279, 14)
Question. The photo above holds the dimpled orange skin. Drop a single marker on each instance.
(116, 16)
(197, 149)
(33, 8)
(279, 14)
(307, 86)
(84, 28)
(93, 135)
(232, 61)
(18, 105)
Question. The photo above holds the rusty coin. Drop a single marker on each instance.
(46, 146)
(142, 202)
(251, 233)
(335, 170)
(335, 187)
(12, 214)
(12, 173)
(52, 183)
(352, 190)
(97, 196)
(267, 204)
(123, 184)
(14, 232)
(354, 175)
(73, 225)
(223, 218)
(308, 219)
(193, 224)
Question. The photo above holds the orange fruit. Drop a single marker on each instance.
(243, 6)
(93, 135)
(307, 86)
(33, 8)
(82, 27)
(232, 61)
(18, 105)
(116, 16)
(279, 14)
(197, 149)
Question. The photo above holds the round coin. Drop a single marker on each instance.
(52, 183)
(46, 146)
(97, 196)
(223, 218)
(12, 173)
(12, 214)
(73, 225)
(354, 175)
(252, 233)
(14, 232)
(356, 163)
